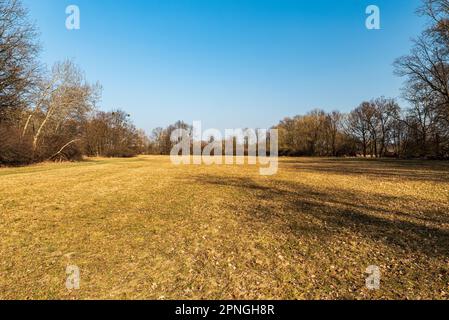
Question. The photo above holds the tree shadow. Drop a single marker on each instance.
(415, 170)
(324, 212)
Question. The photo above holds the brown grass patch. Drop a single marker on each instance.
(144, 229)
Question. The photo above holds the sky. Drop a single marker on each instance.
(230, 63)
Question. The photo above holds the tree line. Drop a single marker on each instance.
(376, 128)
(380, 127)
(53, 114)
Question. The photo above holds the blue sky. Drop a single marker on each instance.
(230, 63)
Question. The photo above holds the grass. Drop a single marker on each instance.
(145, 229)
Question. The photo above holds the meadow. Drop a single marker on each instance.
(143, 228)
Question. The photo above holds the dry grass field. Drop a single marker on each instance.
(145, 229)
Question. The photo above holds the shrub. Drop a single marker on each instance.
(15, 149)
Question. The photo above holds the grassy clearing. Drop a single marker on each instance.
(144, 229)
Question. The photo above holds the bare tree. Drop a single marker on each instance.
(333, 127)
(386, 112)
(426, 70)
(357, 127)
(60, 108)
(18, 65)
(112, 134)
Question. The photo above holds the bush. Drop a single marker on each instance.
(15, 149)
(121, 153)
(50, 149)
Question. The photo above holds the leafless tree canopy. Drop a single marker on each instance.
(426, 70)
(18, 64)
(51, 115)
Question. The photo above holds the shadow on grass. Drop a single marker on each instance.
(415, 170)
(323, 212)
